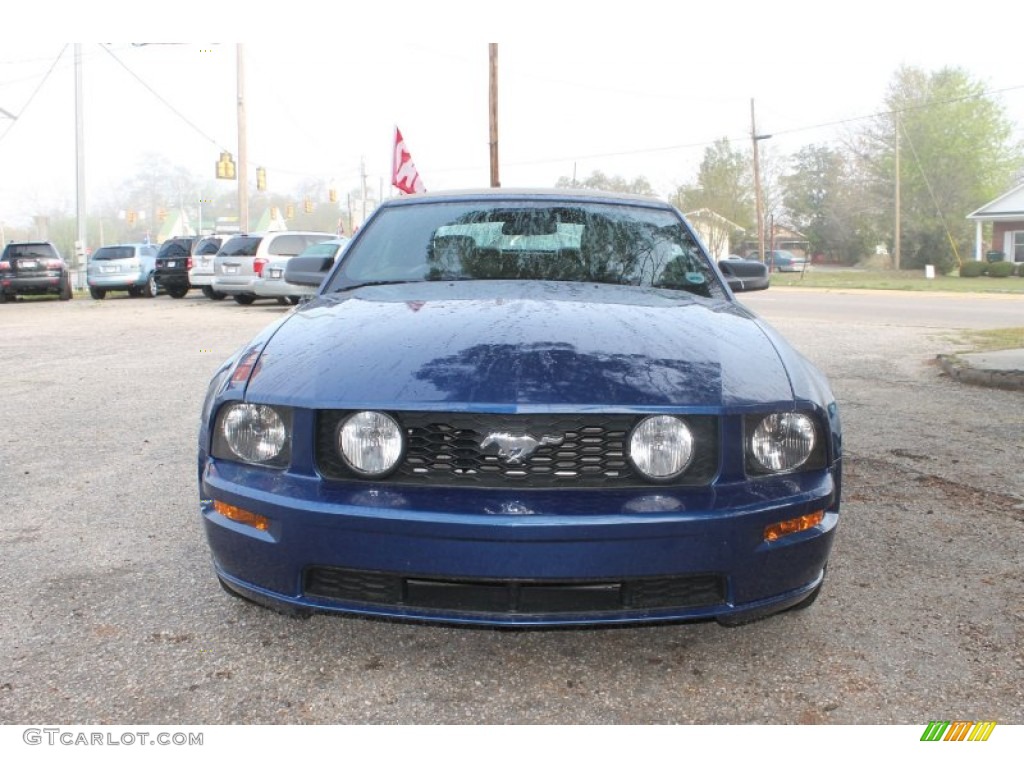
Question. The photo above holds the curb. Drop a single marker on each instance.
(960, 371)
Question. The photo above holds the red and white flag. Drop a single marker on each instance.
(403, 173)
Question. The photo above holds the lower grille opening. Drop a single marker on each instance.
(514, 597)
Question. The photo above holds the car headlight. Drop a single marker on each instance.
(371, 443)
(661, 447)
(782, 442)
(255, 434)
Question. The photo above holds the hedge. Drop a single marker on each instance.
(973, 268)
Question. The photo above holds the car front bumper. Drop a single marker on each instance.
(36, 284)
(279, 289)
(171, 282)
(232, 285)
(518, 558)
(117, 280)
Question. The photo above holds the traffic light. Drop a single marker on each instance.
(332, 194)
(161, 214)
(261, 179)
(289, 211)
(131, 218)
(226, 166)
(307, 205)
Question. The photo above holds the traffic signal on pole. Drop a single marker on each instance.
(307, 205)
(261, 179)
(289, 211)
(332, 194)
(226, 166)
(131, 217)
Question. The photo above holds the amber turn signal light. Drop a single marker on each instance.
(795, 525)
(239, 515)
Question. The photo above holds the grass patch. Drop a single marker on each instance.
(892, 280)
(992, 340)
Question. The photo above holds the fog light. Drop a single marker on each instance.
(239, 515)
(795, 525)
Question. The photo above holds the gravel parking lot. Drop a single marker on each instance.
(113, 613)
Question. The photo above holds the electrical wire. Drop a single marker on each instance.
(14, 119)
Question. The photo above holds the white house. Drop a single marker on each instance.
(1006, 213)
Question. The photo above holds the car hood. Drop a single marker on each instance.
(516, 346)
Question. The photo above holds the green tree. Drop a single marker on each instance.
(826, 201)
(598, 180)
(955, 152)
(724, 185)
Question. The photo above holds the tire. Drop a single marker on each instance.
(209, 293)
(177, 293)
(293, 300)
(65, 289)
(98, 293)
(149, 290)
(808, 601)
(245, 299)
(283, 301)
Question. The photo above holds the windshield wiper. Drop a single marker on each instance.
(368, 283)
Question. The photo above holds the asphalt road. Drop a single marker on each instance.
(112, 613)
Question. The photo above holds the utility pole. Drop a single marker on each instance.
(80, 243)
(759, 202)
(362, 176)
(896, 245)
(243, 152)
(493, 50)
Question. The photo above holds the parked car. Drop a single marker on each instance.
(785, 261)
(744, 274)
(126, 267)
(272, 283)
(521, 408)
(200, 274)
(33, 269)
(241, 259)
(173, 261)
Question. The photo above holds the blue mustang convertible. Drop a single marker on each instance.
(521, 408)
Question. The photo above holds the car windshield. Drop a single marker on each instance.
(240, 246)
(30, 251)
(114, 252)
(174, 248)
(207, 247)
(321, 249)
(528, 240)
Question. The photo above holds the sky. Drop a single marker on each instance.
(631, 89)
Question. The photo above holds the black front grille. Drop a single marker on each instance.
(575, 450)
(540, 598)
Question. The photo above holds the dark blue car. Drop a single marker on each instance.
(521, 408)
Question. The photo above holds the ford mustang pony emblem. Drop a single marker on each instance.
(515, 449)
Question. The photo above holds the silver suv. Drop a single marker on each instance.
(127, 267)
(241, 259)
(200, 274)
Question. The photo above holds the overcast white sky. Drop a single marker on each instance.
(637, 88)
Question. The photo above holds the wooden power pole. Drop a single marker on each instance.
(493, 48)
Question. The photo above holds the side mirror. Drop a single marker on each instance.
(744, 275)
(307, 270)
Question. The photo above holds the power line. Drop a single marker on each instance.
(14, 118)
(220, 146)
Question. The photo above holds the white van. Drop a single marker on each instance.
(242, 258)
